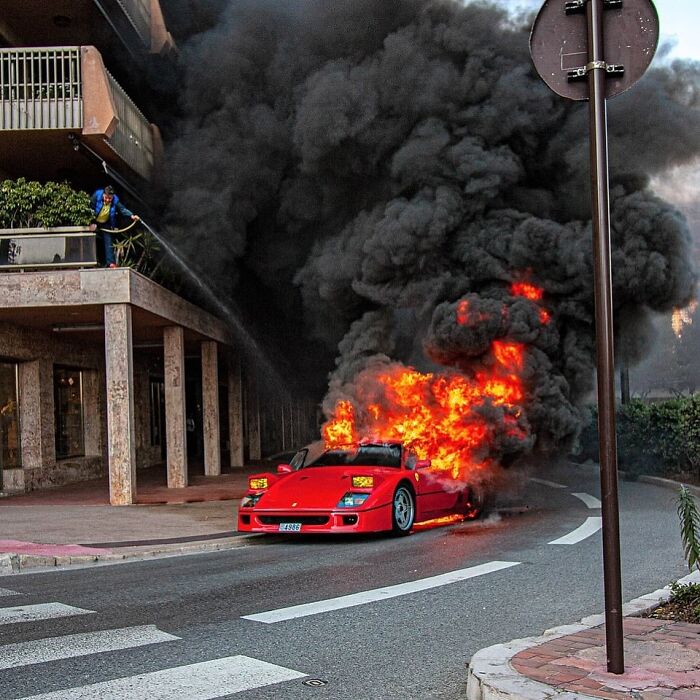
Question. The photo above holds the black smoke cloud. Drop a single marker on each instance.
(358, 168)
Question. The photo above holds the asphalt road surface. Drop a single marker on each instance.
(298, 618)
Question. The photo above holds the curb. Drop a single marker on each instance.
(16, 563)
(491, 677)
(669, 484)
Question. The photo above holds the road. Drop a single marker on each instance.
(191, 627)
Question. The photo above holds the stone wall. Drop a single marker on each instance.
(37, 353)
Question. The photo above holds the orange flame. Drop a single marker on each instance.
(466, 317)
(341, 430)
(533, 293)
(463, 312)
(437, 414)
(527, 290)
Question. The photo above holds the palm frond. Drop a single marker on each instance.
(689, 517)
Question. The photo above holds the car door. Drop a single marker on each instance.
(434, 495)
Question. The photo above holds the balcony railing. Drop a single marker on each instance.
(139, 13)
(36, 248)
(40, 89)
(45, 88)
(133, 138)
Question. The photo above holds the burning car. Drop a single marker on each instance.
(370, 487)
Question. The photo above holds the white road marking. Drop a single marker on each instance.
(544, 482)
(41, 611)
(348, 601)
(74, 645)
(590, 527)
(6, 592)
(202, 681)
(590, 501)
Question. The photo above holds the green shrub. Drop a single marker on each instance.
(685, 593)
(138, 250)
(32, 205)
(660, 437)
(687, 597)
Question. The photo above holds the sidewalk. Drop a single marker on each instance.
(662, 661)
(75, 524)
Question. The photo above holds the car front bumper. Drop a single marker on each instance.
(377, 519)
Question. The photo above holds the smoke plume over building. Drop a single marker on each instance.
(388, 175)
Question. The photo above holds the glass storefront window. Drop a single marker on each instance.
(10, 453)
(68, 402)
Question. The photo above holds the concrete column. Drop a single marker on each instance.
(36, 425)
(92, 422)
(284, 417)
(254, 438)
(296, 423)
(121, 440)
(235, 411)
(210, 408)
(175, 414)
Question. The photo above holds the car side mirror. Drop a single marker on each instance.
(423, 464)
(284, 469)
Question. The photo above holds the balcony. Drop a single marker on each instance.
(122, 29)
(53, 99)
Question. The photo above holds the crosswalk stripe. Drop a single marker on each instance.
(40, 611)
(6, 592)
(377, 594)
(202, 681)
(70, 646)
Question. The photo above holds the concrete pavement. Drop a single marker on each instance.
(662, 661)
(76, 525)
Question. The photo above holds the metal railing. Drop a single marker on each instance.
(40, 88)
(139, 13)
(133, 138)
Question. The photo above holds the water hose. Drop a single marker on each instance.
(120, 230)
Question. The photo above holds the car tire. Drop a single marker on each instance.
(476, 503)
(403, 511)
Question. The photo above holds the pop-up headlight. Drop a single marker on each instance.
(353, 500)
(251, 500)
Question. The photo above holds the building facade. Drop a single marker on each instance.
(103, 371)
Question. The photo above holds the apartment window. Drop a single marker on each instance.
(68, 402)
(10, 453)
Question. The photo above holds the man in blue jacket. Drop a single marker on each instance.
(106, 206)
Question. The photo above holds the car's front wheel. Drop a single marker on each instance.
(403, 511)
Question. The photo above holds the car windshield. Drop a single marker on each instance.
(364, 455)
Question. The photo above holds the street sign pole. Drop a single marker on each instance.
(617, 40)
(600, 189)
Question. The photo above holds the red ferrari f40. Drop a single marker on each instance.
(371, 487)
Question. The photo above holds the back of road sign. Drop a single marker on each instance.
(559, 44)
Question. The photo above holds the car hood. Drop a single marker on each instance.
(319, 487)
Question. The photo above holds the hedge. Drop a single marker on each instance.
(29, 204)
(652, 438)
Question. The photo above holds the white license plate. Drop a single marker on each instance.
(290, 527)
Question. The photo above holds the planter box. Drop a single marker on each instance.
(59, 247)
